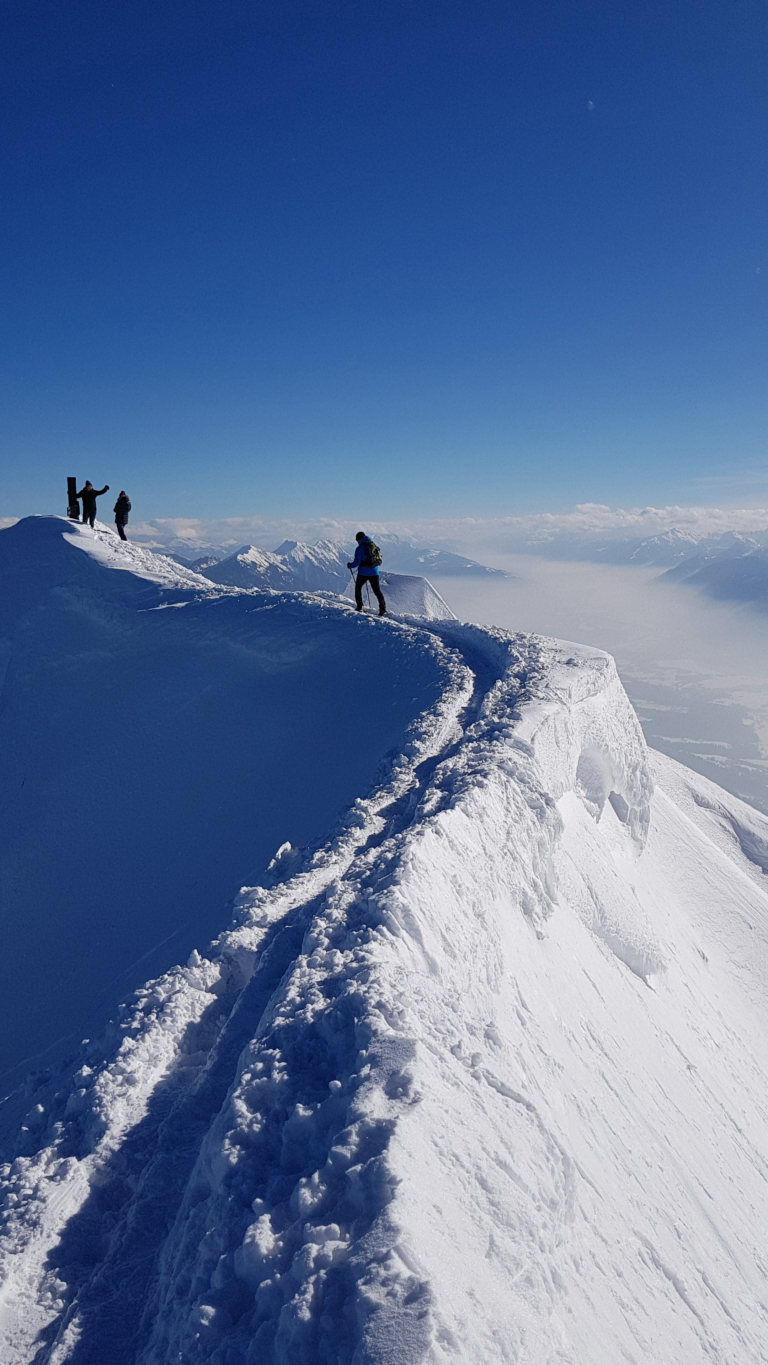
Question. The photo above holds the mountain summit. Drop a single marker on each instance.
(476, 1075)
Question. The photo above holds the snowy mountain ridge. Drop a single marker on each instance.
(665, 549)
(250, 567)
(324, 564)
(728, 565)
(477, 1078)
(323, 568)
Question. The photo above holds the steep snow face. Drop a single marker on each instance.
(480, 1079)
(323, 565)
(407, 595)
(160, 739)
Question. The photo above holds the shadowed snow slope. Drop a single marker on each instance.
(479, 1079)
(160, 739)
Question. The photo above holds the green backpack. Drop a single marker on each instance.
(372, 554)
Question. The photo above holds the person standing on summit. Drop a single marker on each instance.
(89, 494)
(122, 508)
(367, 560)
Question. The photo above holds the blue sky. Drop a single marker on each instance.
(416, 258)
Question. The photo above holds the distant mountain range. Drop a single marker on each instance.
(731, 566)
(736, 573)
(323, 566)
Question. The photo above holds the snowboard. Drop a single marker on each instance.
(73, 506)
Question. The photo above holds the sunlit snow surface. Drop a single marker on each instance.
(406, 594)
(479, 1079)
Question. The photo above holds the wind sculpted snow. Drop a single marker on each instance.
(406, 595)
(478, 1079)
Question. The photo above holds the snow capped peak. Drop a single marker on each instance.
(250, 552)
(328, 551)
(323, 565)
(250, 567)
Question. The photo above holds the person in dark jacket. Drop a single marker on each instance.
(122, 508)
(89, 494)
(367, 572)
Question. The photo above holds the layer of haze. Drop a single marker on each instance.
(697, 671)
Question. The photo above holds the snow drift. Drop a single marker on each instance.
(406, 595)
(478, 1078)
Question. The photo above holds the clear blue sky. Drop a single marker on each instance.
(418, 256)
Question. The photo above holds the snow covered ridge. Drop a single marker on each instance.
(324, 565)
(476, 1080)
(146, 714)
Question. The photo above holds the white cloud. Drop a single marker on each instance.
(702, 665)
(189, 535)
(594, 517)
(587, 520)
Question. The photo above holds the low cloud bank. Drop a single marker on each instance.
(583, 524)
(471, 534)
(594, 518)
(696, 671)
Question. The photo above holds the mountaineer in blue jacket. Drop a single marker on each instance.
(367, 560)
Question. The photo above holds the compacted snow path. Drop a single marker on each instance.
(480, 1078)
